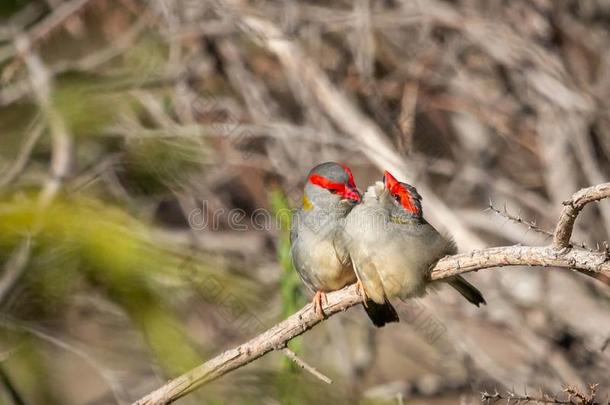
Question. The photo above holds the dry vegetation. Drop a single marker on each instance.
(123, 122)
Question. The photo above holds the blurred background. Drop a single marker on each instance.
(150, 150)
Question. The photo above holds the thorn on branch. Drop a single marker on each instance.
(532, 225)
(574, 397)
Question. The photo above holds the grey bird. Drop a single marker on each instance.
(393, 247)
(317, 249)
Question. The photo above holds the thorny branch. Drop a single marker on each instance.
(590, 263)
(531, 224)
(572, 396)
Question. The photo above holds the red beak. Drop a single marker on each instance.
(352, 194)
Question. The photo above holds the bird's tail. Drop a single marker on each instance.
(470, 292)
(380, 314)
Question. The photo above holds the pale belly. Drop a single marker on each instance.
(321, 269)
(390, 262)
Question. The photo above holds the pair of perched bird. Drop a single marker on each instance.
(380, 240)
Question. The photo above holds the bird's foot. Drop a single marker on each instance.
(317, 303)
(362, 293)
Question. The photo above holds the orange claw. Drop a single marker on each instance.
(317, 303)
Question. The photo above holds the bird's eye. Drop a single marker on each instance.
(333, 191)
(397, 198)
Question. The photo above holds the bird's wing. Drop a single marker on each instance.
(341, 243)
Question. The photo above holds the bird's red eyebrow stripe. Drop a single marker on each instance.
(325, 183)
(406, 200)
(352, 182)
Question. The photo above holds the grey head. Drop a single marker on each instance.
(330, 185)
(401, 199)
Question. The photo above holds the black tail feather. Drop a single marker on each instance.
(468, 291)
(380, 314)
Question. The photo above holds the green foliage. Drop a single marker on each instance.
(153, 164)
(80, 238)
(292, 298)
(87, 104)
(27, 370)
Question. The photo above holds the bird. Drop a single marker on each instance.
(393, 247)
(318, 253)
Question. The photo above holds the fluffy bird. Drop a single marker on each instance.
(318, 252)
(393, 247)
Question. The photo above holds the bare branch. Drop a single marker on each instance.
(584, 261)
(301, 363)
(512, 398)
(572, 208)
(574, 397)
(530, 224)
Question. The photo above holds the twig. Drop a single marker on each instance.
(61, 139)
(512, 398)
(572, 208)
(574, 397)
(21, 19)
(301, 363)
(530, 224)
(31, 138)
(534, 227)
(14, 268)
(43, 28)
(11, 93)
(105, 374)
(581, 397)
(10, 388)
(585, 152)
